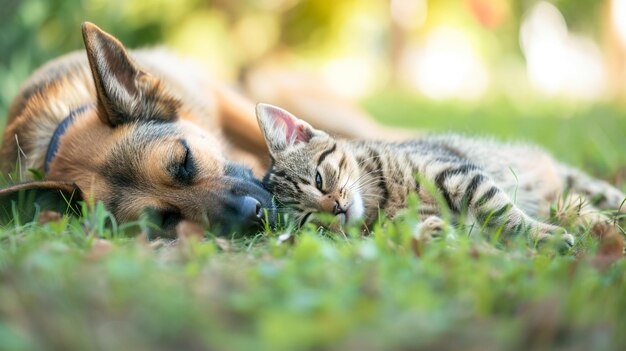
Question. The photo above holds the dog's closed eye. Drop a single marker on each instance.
(185, 168)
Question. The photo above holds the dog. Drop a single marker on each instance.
(145, 132)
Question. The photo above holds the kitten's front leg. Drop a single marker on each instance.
(493, 208)
(466, 187)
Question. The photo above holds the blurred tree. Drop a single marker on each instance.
(244, 32)
(34, 31)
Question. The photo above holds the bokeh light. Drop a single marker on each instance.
(559, 62)
(447, 66)
(618, 15)
(465, 51)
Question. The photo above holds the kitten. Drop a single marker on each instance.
(499, 185)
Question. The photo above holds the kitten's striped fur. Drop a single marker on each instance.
(503, 185)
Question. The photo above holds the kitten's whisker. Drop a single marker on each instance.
(367, 159)
(371, 181)
(343, 187)
(362, 189)
(372, 196)
(365, 185)
(376, 178)
(358, 167)
(366, 174)
(303, 218)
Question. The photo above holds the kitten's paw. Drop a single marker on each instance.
(561, 241)
(568, 239)
(429, 228)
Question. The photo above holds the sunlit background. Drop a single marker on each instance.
(571, 53)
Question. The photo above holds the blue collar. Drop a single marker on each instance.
(53, 146)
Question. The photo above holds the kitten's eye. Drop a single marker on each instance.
(318, 181)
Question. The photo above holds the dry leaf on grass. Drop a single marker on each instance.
(223, 244)
(48, 216)
(99, 249)
(187, 229)
(611, 245)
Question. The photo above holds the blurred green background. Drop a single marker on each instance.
(527, 69)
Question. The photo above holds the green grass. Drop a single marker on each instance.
(62, 288)
(591, 137)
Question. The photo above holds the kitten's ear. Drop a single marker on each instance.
(281, 129)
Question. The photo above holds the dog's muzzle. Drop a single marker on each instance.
(247, 205)
(242, 206)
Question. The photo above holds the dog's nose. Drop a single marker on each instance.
(246, 202)
(250, 210)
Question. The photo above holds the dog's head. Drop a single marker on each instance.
(135, 152)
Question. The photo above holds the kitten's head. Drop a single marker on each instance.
(311, 171)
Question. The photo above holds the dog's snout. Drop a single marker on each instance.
(245, 206)
(243, 214)
(250, 209)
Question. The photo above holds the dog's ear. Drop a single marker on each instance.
(25, 199)
(125, 92)
(281, 129)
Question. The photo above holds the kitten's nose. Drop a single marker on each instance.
(337, 209)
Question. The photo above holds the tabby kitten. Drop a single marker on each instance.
(499, 185)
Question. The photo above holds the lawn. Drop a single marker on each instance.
(78, 284)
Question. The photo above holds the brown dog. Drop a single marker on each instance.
(143, 132)
(139, 131)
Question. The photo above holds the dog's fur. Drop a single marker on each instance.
(152, 134)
